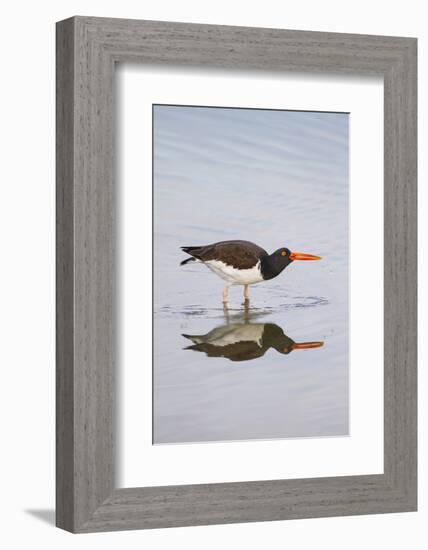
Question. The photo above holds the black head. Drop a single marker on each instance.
(273, 264)
(283, 256)
(274, 337)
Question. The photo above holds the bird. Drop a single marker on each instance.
(243, 262)
(245, 341)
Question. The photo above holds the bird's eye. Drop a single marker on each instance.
(283, 253)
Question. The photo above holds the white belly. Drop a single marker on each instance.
(236, 276)
(232, 334)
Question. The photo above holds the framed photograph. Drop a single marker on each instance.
(236, 274)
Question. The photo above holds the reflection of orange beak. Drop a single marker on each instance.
(302, 256)
(307, 345)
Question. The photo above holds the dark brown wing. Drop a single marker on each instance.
(240, 351)
(239, 254)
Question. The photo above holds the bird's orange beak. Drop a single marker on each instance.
(307, 345)
(302, 256)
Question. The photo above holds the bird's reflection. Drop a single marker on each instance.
(246, 341)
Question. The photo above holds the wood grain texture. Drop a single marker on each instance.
(87, 49)
(64, 277)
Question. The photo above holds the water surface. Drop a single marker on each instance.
(277, 178)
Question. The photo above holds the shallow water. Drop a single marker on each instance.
(276, 178)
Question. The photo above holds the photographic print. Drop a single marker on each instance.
(250, 274)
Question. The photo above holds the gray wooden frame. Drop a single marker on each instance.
(87, 50)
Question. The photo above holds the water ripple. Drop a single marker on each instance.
(197, 310)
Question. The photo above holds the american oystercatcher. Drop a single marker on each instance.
(242, 262)
(245, 341)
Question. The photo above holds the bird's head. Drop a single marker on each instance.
(287, 256)
(273, 264)
(284, 256)
(274, 337)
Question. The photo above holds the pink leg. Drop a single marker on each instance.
(225, 294)
(246, 293)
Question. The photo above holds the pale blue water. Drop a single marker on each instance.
(277, 178)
